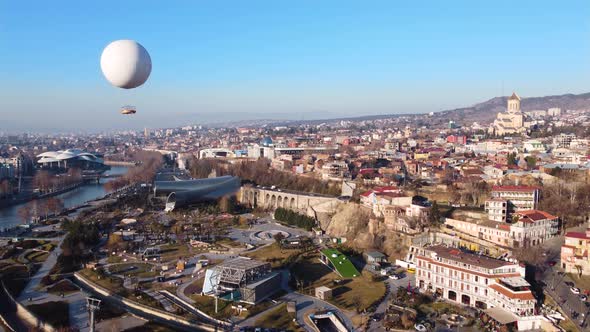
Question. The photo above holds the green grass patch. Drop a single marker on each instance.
(37, 256)
(273, 254)
(278, 318)
(174, 251)
(207, 305)
(136, 269)
(62, 287)
(341, 263)
(114, 259)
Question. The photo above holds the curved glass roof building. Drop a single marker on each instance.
(185, 192)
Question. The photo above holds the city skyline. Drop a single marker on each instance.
(269, 60)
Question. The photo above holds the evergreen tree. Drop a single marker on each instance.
(434, 217)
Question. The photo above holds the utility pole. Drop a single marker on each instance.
(92, 305)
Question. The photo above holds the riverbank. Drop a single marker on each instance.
(76, 197)
(120, 163)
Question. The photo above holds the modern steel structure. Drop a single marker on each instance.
(186, 192)
(241, 279)
(71, 158)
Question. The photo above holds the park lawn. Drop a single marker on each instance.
(172, 252)
(114, 259)
(310, 273)
(229, 243)
(55, 313)
(142, 270)
(113, 284)
(207, 305)
(62, 287)
(341, 263)
(278, 318)
(272, 254)
(358, 293)
(37, 256)
(349, 294)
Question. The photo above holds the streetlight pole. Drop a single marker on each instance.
(92, 305)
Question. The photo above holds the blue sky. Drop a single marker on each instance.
(283, 59)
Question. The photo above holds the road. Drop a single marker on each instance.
(556, 283)
(306, 304)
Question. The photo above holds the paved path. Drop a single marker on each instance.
(120, 323)
(31, 288)
(77, 301)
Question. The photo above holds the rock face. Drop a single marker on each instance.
(355, 223)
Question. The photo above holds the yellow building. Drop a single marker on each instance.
(574, 252)
(512, 120)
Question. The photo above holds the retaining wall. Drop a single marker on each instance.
(144, 309)
(25, 314)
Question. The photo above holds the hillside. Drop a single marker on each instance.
(483, 113)
(486, 111)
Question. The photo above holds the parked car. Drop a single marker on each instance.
(575, 290)
(583, 297)
(420, 328)
(394, 277)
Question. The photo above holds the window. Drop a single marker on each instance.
(476, 279)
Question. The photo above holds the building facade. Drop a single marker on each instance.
(477, 281)
(574, 252)
(529, 228)
(518, 197)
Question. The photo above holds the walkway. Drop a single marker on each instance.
(31, 290)
(37, 294)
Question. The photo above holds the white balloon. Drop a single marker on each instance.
(125, 64)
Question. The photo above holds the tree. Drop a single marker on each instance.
(434, 217)
(512, 160)
(54, 205)
(279, 237)
(531, 162)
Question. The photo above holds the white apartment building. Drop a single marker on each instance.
(518, 197)
(497, 209)
(529, 228)
(478, 281)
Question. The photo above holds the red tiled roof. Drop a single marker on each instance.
(577, 235)
(524, 295)
(536, 215)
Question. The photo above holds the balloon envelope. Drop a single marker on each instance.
(125, 64)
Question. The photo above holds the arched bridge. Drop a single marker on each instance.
(302, 202)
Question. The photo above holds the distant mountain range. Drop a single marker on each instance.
(483, 113)
(486, 112)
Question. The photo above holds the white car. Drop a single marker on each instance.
(575, 290)
(420, 328)
(394, 277)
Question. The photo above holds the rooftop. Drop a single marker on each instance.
(515, 188)
(534, 215)
(467, 258)
(341, 263)
(242, 263)
(515, 281)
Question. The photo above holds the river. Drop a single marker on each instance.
(87, 192)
